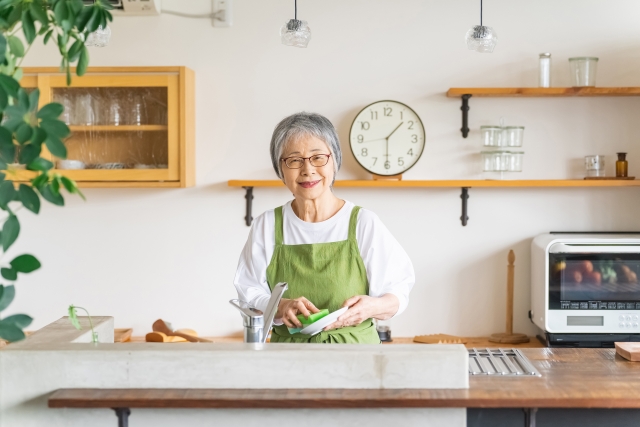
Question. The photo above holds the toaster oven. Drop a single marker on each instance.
(585, 288)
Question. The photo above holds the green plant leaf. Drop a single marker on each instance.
(10, 332)
(61, 12)
(55, 127)
(38, 12)
(7, 152)
(49, 195)
(56, 147)
(38, 136)
(94, 20)
(47, 36)
(7, 193)
(29, 198)
(19, 320)
(29, 153)
(39, 164)
(52, 110)
(15, 46)
(39, 181)
(34, 98)
(23, 133)
(83, 18)
(73, 317)
(25, 263)
(3, 46)
(23, 100)
(7, 294)
(9, 273)
(10, 231)
(74, 50)
(10, 85)
(83, 61)
(28, 27)
(4, 98)
(71, 187)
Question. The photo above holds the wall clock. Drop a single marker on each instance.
(387, 138)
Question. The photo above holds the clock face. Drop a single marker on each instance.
(387, 138)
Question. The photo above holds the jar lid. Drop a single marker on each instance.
(545, 55)
(584, 58)
(514, 127)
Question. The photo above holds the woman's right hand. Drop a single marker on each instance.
(288, 309)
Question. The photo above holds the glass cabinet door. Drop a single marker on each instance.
(123, 128)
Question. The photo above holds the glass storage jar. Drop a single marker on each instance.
(502, 161)
(583, 71)
(512, 136)
(491, 136)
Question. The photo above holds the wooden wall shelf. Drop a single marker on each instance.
(469, 183)
(464, 185)
(457, 92)
(530, 92)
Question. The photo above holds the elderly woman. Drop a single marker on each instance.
(332, 253)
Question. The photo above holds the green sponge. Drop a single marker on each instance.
(313, 317)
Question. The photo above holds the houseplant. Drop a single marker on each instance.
(25, 128)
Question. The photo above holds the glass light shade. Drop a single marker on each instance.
(99, 38)
(295, 33)
(482, 39)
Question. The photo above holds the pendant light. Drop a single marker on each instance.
(294, 32)
(99, 38)
(481, 38)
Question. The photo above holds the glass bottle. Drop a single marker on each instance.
(545, 70)
(622, 165)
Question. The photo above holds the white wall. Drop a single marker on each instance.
(140, 254)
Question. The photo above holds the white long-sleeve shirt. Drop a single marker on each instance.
(389, 269)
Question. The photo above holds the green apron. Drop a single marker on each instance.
(327, 274)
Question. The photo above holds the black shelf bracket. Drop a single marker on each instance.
(465, 115)
(530, 417)
(464, 196)
(248, 219)
(123, 416)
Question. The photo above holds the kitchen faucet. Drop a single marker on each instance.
(254, 320)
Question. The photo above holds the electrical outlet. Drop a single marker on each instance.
(222, 13)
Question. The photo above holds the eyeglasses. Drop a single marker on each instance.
(317, 161)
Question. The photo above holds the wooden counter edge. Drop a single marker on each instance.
(313, 398)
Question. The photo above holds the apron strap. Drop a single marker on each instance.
(279, 226)
(353, 222)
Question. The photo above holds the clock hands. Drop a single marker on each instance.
(394, 131)
(387, 138)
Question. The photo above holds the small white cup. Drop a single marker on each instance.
(71, 164)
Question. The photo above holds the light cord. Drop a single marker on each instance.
(481, 13)
(295, 5)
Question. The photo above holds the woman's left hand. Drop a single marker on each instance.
(363, 307)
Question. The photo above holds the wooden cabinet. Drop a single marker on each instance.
(130, 126)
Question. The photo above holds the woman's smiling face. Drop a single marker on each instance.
(307, 182)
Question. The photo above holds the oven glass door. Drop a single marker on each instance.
(594, 280)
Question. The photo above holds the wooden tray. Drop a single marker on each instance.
(611, 178)
(629, 350)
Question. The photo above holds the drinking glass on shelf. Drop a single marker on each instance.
(115, 112)
(84, 115)
(136, 116)
(594, 166)
(65, 100)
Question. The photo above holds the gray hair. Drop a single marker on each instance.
(304, 124)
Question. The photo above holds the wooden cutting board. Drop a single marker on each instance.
(629, 350)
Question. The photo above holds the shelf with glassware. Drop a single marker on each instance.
(528, 92)
(463, 184)
(130, 126)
